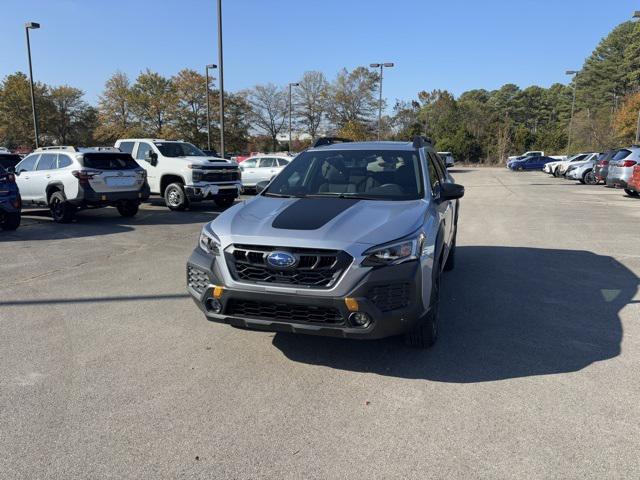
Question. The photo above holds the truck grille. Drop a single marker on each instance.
(314, 268)
(285, 312)
(390, 297)
(221, 176)
(197, 279)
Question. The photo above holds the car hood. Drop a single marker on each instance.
(332, 223)
(208, 161)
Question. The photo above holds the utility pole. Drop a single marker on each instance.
(290, 114)
(32, 26)
(380, 66)
(211, 66)
(573, 106)
(221, 71)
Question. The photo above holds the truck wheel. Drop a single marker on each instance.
(128, 208)
(175, 197)
(425, 333)
(11, 221)
(61, 210)
(225, 202)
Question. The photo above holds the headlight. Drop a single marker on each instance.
(394, 253)
(208, 242)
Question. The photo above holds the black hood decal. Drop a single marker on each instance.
(311, 213)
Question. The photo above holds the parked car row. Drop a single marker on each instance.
(617, 168)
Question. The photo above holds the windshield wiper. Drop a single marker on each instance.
(356, 196)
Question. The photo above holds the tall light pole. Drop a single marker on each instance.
(290, 113)
(32, 26)
(573, 106)
(211, 66)
(221, 80)
(636, 14)
(380, 66)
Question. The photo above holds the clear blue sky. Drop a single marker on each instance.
(452, 44)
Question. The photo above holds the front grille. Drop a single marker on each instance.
(197, 279)
(314, 268)
(284, 312)
(221, 176)
(390, 297)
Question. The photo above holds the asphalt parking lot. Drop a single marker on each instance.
(108, 369)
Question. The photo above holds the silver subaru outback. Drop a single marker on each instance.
(349, 240)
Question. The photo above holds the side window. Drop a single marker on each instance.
(433, 175)
(439, 167)
(282, 162)
(268, 163)
(28, 164)
(48, 161)
(143, 149)
(127, 147)
(63, 161)
(249, 163)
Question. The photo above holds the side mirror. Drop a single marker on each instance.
(260, 186)
(153, 158)
(11, 169)
(451, 191)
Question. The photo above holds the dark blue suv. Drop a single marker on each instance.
(531, 163)
(10, 202)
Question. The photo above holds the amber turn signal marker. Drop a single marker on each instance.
(217, 292)
(351, 303)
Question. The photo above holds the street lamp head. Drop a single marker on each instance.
(388, 65)
(294, 84)
(571, 72)
(636, 14)
(375, 65)
(212, 66)
(32, 25)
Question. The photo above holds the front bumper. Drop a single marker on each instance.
(385, 322)
(203, 191)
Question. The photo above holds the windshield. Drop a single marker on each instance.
(179, 149)
(365, 174)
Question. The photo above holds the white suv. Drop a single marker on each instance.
(262, 168)
(182, 173)
(66, 179)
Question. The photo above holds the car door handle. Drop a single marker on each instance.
(47, 176)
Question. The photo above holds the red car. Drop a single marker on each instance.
(633, 186)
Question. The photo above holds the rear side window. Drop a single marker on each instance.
(622, 154)
(282, 162)
(127, 147)
(63, 161)
(9, 160)
(268, 162)
(109, 161)
(48, 161)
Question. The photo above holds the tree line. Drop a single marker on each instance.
(478, 125)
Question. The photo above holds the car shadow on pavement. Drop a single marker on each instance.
(38, 225)
(506, 312)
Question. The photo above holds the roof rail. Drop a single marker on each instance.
(100, 149)
(419, 141)
(330, 141)
(68, 148)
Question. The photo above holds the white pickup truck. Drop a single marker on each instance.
(182, 173)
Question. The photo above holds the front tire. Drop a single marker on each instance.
(425, 334)
(11, 221)
(61, 210)
(128, 208)
(631, 193)
(224, 202)
(175, 197)
(590, 178)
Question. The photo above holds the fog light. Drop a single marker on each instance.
(213, 305)
(360, 319)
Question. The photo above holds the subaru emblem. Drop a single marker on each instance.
(281, 260)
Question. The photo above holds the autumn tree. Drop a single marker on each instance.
(351, 99)
(310, 101)
(189, 112)
(153, 98)
(115, 118)
(269, 107)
